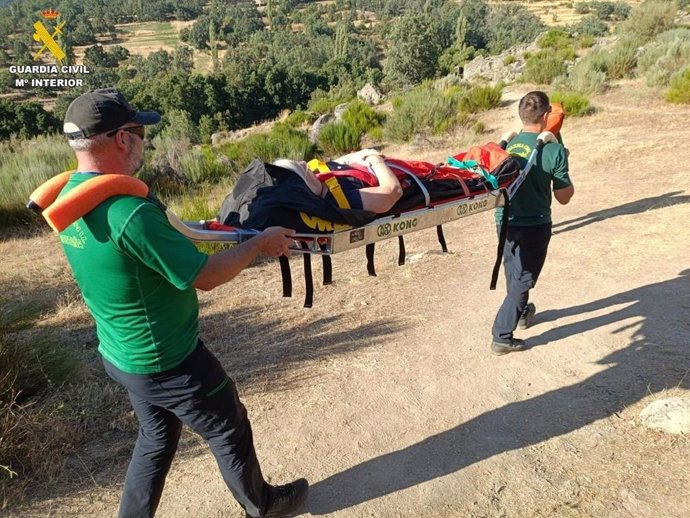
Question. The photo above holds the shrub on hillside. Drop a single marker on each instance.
(422, 110)
(574, 104)
(555, 39)
(621, 62)
(543, 67)
(650, 18)
(281, 142)
(679, 92)
(362, 117)
(481, 98)
(583, 78)
(24, 165)
(591, 25)
(339, 138)
(665, 57)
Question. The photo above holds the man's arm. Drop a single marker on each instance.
(563, 195)
(224, 266)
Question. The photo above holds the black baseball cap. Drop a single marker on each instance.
(100, 111)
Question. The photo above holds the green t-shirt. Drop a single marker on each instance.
(135, 272)
(531, 204)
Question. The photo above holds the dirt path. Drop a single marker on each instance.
(387, 398)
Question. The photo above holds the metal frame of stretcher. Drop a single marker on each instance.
(433, 215)
(380, 229)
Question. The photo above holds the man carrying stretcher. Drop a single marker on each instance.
(529, 223)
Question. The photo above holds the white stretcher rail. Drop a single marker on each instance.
(347, 239)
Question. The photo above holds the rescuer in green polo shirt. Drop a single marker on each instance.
(139, 277)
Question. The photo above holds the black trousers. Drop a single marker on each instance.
(523, 259)
(199, 394)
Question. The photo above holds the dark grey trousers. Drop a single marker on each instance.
(523, 259)
(200, 394)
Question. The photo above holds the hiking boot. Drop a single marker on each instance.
(501, 348)
(286, 500)
(527, 316)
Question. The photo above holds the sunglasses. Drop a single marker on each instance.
(139, 131)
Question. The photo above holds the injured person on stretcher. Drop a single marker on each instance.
(352, 192)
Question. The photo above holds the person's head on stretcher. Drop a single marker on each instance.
(379, 199)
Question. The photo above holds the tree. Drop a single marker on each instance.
(413, 50)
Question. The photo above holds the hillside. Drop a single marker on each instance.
(386, 396)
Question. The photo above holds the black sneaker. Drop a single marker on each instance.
(500, 348)
(527, 316)
(286, 500)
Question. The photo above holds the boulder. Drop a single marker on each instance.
(671, 415)
(370, 95)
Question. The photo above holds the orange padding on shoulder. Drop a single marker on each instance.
(81, 200)
(555, 119)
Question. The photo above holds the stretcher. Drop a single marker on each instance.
(433, 214)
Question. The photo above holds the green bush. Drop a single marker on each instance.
(299, 118)
(481, 98)
(24, 165)
(338, 138)
(622, 60)
(362, 117)
(586, 77)
(574, 104)
(585, 41)
(679, 92)
(665, 57)
(281, 142)
(591, 25)
(555, 39)
(201, 165)
(650, 18)
(509, 59)
(543, 67)
(421, 110)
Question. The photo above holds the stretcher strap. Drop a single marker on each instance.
(441, 238)
(308, 280)
(401, 251)
(285, 274)
(327, 267)
(370, 259)
(425, 191)
(503, 233)
(337, 192)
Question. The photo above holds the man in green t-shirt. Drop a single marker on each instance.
(529, 223)
(139, 277)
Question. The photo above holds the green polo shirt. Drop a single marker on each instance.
(531, 204)
(135, 272)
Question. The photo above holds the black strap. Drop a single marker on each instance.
(285, 274)
(370, 259)
(501, 239)
(308, 279)
(401, 251)
(441, 238)
(327, 269)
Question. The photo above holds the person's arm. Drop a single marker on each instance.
(563, 195)
(382, 198)
(224, 266)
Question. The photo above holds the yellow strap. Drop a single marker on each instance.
(337, 192)
(317, 165)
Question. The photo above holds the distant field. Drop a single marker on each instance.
(144, 38)
(554, 12)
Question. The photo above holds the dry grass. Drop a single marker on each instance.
(554, 12)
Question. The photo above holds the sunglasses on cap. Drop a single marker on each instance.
(139, 131)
